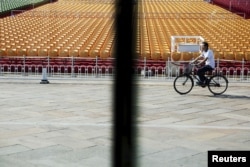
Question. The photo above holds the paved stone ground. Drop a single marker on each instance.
(69, 123)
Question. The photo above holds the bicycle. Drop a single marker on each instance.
(217, 84)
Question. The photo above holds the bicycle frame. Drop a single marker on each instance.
(195, 76)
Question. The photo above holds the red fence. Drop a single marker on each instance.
(82, 67)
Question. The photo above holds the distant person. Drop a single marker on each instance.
(207, 57)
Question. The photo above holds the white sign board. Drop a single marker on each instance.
(185, 45)
(188, 47)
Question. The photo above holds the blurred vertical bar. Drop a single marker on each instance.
(124, 116)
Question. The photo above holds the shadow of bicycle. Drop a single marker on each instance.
(232, 96)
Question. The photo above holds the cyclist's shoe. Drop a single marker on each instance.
(199, 83)
(203, 85)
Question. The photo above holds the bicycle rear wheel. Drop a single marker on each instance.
(183, 84)
(218, 84)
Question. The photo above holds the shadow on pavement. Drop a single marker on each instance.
(232, 96)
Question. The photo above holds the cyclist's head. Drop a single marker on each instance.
(204, 46)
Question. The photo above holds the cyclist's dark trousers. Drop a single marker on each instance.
(201, 72)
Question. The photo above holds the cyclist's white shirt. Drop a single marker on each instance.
(210, 57)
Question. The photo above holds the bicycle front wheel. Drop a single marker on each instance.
(183, 84)
(218, 84)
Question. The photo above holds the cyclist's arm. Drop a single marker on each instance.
(197, 58)
(202, 61)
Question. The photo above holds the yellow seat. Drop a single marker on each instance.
(74, 53)
(156, 55)
(229, 56)
(187, 56)
(3, 52)
(176, 56)
(196, 54)
(32, 52)
(94, 53)
(53, 53)
(239, 56)
(11, 52)
(218, 55)
(104, 53)
(247, 55)
(64, 53)
(146, 54)
(43, 52)
(166, 55)
(21, 52)
(84, 53)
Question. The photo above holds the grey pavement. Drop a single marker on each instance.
(68, 123)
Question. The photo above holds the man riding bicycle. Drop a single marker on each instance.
(206, 56)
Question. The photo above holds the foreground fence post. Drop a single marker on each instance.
(218, 66)
(168, 68)
(145, 64)
(96, 66)
(44, 77)
(23, 68)
(72, 67)
(124, 105)
(242, 70)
